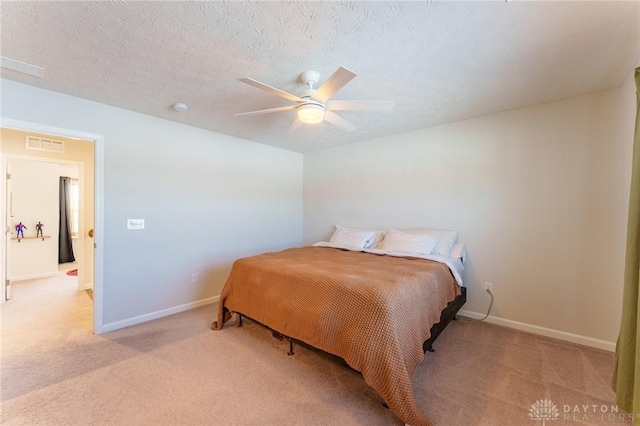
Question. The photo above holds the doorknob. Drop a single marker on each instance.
(91, 233)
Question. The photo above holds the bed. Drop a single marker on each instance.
(375, 310)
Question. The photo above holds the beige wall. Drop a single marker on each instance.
(13, 141)
(207, 199)
(538, 194)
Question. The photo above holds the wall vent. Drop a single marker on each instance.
(44, 144)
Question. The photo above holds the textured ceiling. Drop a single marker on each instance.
(439, 61)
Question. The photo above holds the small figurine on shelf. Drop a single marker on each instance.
(39, 229)
(20, 230)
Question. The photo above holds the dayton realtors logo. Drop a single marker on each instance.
(543, 409)
(595, 413)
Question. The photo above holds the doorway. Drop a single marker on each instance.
(49, 210)
(87, 172)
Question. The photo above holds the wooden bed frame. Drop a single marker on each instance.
(447, 314)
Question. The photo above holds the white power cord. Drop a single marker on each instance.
(489, 310)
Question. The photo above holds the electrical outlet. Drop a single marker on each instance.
(488, 287)
(195, 278)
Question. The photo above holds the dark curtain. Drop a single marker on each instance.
(65, 250)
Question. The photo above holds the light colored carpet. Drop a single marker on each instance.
(176, 371)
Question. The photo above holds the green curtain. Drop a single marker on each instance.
(626, 374)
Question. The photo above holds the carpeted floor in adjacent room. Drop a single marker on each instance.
(176, 371)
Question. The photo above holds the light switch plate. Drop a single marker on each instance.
(135, 223)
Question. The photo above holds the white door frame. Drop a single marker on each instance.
(98, 236)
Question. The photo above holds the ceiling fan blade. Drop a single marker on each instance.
(338, 121)
(359, 105)
(271, 89)
(295, 125)
(334, 83)
(267, 111)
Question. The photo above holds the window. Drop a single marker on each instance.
(74, 197)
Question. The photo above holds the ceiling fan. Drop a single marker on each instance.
(313, 105)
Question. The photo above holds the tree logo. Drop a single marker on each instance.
(543, 409)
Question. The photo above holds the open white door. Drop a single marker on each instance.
(34, 197)
(7, 238)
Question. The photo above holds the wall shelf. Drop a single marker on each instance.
(31, 238)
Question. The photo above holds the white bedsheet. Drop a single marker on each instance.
(454, 263)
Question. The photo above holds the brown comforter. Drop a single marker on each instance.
(373, 311)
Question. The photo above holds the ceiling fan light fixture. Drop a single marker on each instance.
(310, 113)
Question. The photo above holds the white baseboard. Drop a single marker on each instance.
(33, 276)
(548, 332)
(88, 286)
(157, 314)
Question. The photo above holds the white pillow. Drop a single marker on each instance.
(397, 241)
(459, 251)
(445, 238)
(377, 234)
(354, 239)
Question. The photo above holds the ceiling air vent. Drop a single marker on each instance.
(43, 144)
